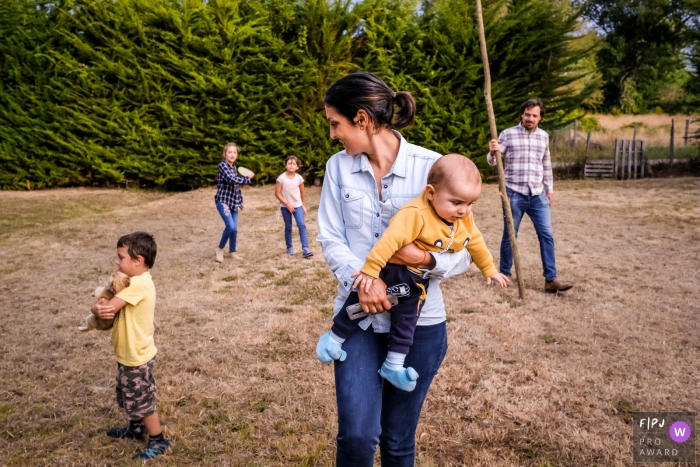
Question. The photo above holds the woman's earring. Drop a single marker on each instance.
(361, 127)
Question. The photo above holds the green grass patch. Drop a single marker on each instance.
(259, 405)
(547, 338)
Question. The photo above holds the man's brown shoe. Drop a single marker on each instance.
(555, 286)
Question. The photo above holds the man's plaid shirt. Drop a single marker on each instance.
(528, 165)
(229, 191)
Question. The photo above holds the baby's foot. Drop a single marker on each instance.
(402, 378)
(329, 349)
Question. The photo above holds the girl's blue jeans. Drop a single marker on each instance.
(231, 231)
(370, 410)
(299, 217)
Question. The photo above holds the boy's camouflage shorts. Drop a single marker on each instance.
(136, 390)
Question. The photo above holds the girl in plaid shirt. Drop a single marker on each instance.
(228, 198)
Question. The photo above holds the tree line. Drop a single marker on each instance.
(146, 92)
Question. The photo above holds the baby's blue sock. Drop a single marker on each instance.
(395, 359)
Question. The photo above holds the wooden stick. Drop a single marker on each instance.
(499, 162)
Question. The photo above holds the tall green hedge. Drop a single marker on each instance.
(146, 92)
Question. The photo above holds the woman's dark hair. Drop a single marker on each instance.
(366, 91)
(530, 103)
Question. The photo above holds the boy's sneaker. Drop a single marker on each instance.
(307, 253)
(290, 251)
(126, 432)
(152, 449)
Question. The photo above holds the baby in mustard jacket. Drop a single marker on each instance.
(438, 221)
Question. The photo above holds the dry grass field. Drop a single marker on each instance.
(547, 382)
(653, 128)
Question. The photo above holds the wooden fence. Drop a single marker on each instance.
(629, 162)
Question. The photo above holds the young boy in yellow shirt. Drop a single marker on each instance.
(132, 337)
(438, 221)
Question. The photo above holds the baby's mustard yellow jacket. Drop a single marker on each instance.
(417, 222)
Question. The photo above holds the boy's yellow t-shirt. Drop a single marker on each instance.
(132, 333)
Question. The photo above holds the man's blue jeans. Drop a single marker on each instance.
(537, 207)
(299, 217)
(370, 410)
(231, 231)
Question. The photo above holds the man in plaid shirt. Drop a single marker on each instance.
(529, 186)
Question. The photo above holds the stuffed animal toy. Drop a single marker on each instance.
(117, 283)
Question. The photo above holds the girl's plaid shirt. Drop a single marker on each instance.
(228, 186)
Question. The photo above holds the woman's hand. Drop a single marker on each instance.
(374, 300)
(251, 176)
(290, 208)
(411, 255)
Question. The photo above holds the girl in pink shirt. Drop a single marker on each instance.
(289, 190)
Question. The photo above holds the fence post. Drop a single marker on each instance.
(575, 134)
(685, 138)
(616, 166)
(634, 153)
(624, 159)
(643, 156)
(671, 148)
(629, 161)
(588, 142)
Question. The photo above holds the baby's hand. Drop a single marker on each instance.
(363, 280)
(500, 278)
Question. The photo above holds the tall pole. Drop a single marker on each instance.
(671, 148)
(499, 162)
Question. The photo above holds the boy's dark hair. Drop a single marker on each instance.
(140, 244)
(294, 158)
(530, 103)
(366, 91)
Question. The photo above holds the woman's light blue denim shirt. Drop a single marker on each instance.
(351, 218)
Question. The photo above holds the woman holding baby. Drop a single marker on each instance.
(364, 186)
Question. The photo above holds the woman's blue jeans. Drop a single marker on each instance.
(537, 207)
(231, 231)
(299, 218)
(370, 410)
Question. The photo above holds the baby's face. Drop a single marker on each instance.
(454, 201)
